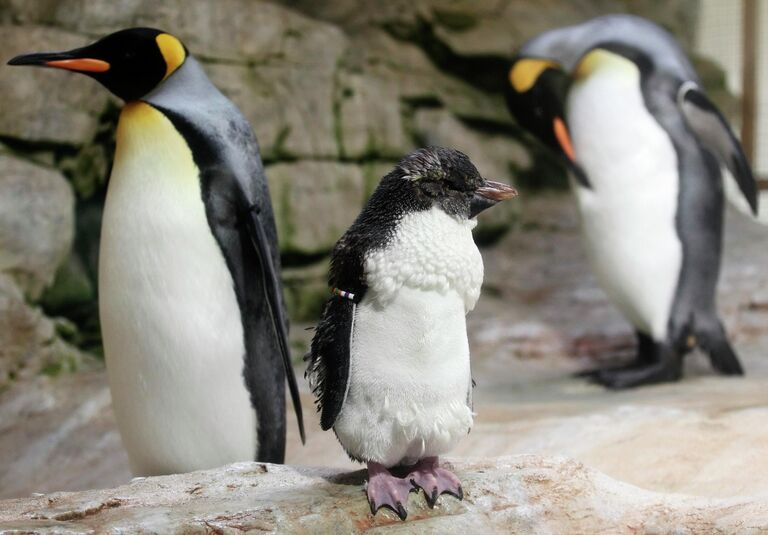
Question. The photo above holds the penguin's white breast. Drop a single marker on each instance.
(172, 328)
(628, 216)
(409, 356)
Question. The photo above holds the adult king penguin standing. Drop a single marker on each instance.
(190, 298)
(618, 99)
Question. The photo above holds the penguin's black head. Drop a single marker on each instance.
(535, 95)
(450, 180)
(130, 63)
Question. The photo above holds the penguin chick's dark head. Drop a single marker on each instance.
(130, 63)
(447, 178)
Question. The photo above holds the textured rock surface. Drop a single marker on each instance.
(522, 494)
(43, 106)
(62, 426)
(36, 222)
(36, 231)
(29, 341)
(312, 201)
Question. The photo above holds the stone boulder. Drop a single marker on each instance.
(370, 117)
(315, 202)
(520, 494)
(29, 342)
(40, 105)
(291, 111)
(36, 222)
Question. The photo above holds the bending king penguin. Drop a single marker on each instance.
(189, 296)
(619, 100)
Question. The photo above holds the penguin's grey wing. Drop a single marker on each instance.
(712, 130)
(271, 283)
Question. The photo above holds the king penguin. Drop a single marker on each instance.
(190, 301)
(389, 361)
(618, 99)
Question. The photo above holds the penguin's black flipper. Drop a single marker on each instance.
(271, 288)
(328, 370)
(712, 130)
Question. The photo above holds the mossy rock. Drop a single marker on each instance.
(306, 290)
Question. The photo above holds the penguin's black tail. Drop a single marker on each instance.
(713, 339)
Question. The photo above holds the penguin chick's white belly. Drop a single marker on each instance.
(409, 387)
(173, 335)
(628, 217)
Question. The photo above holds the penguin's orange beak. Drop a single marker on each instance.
(489, 194)
(563, 138)
(61, 60)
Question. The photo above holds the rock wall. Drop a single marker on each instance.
(336, 92)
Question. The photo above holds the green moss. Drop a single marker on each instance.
(66, 363)
(87, 170)
(286, 222)
(455, 20)
(293, 32)
(71, 287)
(306, 290)
(305, 303)
(338, 129)
(279, 150)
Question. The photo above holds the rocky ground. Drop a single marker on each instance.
(524, 494)
(540, 319)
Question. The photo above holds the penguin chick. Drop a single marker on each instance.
(389, 361)
(619, 101)
(189, 296)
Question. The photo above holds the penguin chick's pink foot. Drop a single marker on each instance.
(434, 481)
(386, 490)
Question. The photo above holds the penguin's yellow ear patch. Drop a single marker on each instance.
(173, 52)
(599, 58)
(525, 72)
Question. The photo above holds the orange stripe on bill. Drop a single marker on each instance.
(80, 64)
(561, 133)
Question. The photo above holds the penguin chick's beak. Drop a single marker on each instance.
(488, 195)
(62, 60)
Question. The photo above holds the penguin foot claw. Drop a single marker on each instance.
(435, 481)
(387, 491)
